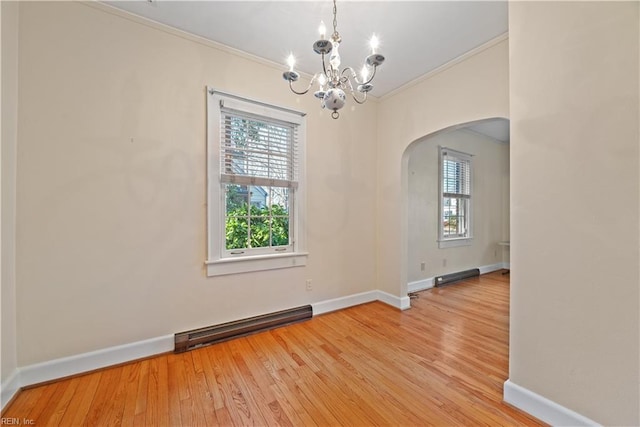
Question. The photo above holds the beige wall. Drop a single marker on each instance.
(8, 356)
(490, 169)
(111, 186)
(474, 89)
(574, 205)
(111, 183)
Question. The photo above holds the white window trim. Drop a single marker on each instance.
(217, 264)
(454, 242)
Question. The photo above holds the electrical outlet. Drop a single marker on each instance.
(422, 266)
(309, 286)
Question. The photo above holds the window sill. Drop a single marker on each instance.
(454, 243)
(249, 264)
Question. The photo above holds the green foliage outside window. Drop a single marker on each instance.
(256, 227)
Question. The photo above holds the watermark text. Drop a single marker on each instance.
(14, 421)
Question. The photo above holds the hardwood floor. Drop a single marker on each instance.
(443, 362)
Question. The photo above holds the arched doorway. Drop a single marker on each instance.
(429, 254)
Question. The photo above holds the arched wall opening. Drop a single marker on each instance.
(487, 141)
(470, 90)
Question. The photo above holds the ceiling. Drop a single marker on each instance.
(497, 129)
(416, 37)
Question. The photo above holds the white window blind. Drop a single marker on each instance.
(257, 151)
(456, 174)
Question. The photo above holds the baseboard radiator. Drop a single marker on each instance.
(448, 279)
(195, 338)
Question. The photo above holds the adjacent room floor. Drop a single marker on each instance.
(443, 362)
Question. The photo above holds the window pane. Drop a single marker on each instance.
(258, 196)
(259, 232)
(236, 199)
(237, 232)
(280, 231)
(279, 201)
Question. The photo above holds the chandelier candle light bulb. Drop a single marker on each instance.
(291, 75)
(322, 80)
(364, 73)
(322, 29)
(374, 43)
(338, 81)
(291, 61)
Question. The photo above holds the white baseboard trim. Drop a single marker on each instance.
(9, 387)
(543, 408)
(401, 303)
(85, 362)
(428, 283)
(322, 307)
(335, 304)
(491, 268)
(420, 285)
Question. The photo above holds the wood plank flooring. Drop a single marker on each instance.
(443, 362)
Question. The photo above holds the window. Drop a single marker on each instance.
(455, 198)
(255, 188)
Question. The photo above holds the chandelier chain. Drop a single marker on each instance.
(335, 20)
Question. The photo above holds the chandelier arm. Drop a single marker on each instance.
(353, 73)
(303, 92)
(373, 74)
(355, 76)
(347, 81)
(364, 99)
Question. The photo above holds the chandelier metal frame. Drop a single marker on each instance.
(337, 81)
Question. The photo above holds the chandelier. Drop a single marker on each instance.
(333, 82)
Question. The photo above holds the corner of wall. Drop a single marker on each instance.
(8, 130)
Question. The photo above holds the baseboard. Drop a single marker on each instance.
(401, 303)
(420, 285)
(542, 408)
(424, 284)
(491, 268)
(322, 307)
(9, 387)
(85, 362)
(328, 306)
